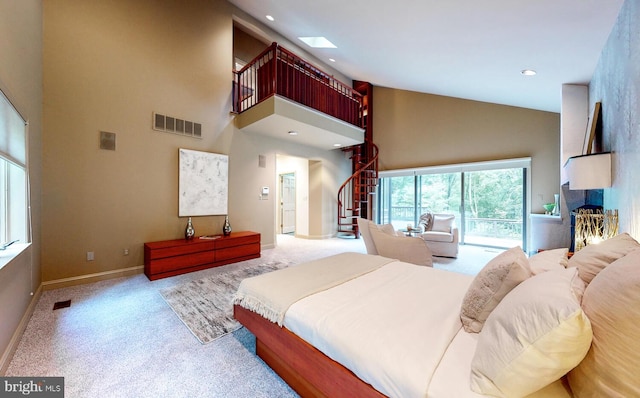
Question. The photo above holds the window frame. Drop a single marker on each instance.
(14, 159)
(515, 163)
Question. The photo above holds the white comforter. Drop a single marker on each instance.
(391, 327)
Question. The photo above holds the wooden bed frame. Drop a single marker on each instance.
(307, 370)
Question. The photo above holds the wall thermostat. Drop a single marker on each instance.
(265, 190)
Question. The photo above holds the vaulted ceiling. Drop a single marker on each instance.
(459, 48)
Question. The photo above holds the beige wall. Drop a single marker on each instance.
(107, 67)
(417, 130)
(245, 46)
(21, 81)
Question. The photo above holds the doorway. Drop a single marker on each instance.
(287, 203)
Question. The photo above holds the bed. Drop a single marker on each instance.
(370, 326)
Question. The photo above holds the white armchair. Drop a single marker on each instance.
(441, 235)
(384, 241)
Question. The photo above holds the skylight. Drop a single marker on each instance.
(317, 42)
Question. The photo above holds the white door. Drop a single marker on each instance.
(288, 203)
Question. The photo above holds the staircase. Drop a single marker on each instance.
(354, 196)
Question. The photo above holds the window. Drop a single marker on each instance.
(13, 175)
(488, 199)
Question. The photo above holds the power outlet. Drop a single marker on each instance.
(90, 256)
(125, 252)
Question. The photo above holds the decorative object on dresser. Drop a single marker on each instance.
(189, 232)
(226, 228)
(179, 256)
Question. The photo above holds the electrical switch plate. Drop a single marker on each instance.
(90, 256)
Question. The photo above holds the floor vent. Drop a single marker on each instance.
(61, 304)
(170, 124)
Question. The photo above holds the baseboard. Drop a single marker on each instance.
(90, 278)
(17, 335)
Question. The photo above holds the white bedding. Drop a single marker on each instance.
(391, 327)
(271, 294)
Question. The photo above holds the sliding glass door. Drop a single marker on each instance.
(494, 207)
(489, 204)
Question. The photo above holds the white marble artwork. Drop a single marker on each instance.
(203, 184)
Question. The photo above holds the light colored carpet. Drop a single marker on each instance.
(119, 338)
(205, 306)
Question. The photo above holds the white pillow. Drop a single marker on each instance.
(442, 223)
(386, 228)
(493, 282)
(595, 257)
(548, 260)
(404, 248)
(612, 303)
(535, 335)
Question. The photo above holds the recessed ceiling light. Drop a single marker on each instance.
(528, 72)
(270, 18)
(337, 145)
(317, 42)
(332, 60)
(293, 132)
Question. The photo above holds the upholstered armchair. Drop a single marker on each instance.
(441, 234)
(383, 240)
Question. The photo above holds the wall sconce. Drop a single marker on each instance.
(594, 226)
(589, 171)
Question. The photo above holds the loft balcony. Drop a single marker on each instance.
(278, 92)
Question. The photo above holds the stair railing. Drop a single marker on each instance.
(356, 192)
(278, 71)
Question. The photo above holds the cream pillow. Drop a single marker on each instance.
(595, 257)
(442, 223)
(612, 303)
(365, 226)
(548, 260)
(492, 283)
(404, 248)
(535, 335)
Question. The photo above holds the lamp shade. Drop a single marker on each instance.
(589, 171)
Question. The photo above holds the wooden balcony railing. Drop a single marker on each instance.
(278, 71)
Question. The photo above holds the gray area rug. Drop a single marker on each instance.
(205, 306)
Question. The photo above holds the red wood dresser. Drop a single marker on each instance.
(179, 256)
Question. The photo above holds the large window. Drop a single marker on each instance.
(13, 175)
(488, 199)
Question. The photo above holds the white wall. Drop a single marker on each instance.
(573, 123)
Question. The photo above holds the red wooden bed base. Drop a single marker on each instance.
(308, 371)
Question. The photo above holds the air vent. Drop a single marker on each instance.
(61, 304)
(173, 125)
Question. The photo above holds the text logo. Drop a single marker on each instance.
(38, 387)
